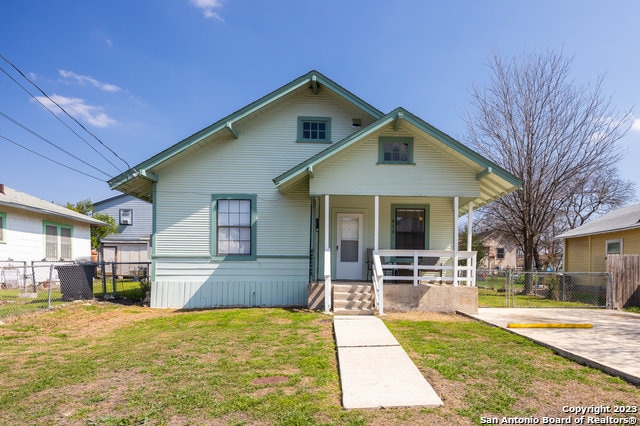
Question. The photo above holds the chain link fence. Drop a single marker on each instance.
(32, 286)
(509, 288)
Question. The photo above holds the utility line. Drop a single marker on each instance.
(63, 110)
(51, 143)
(58, 118)
(50, 159)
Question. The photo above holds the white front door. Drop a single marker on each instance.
(349, 246)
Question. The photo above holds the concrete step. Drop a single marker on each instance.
(352, 296)
(354, 311)
(352, 288)
(352, 304)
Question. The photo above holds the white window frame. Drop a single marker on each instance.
(606, 246)
(126, 216)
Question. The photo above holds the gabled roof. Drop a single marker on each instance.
(494, 180)
(19, 200)
(622, 219)
(138, 180)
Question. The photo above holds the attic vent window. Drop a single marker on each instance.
(314, 129)
(394, 150)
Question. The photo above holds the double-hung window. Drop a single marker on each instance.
(234, 218)
(614, 246)
(314, 129)
(58, 241)
(126, 216)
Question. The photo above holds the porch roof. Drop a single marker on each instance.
(494, 181)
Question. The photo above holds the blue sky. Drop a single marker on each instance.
(142, 75)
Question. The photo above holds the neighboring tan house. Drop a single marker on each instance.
(296, 188)
(500, 254)
(586, 247)
(32, 229)
(133, 219)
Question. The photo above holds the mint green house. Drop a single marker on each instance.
(305, 187)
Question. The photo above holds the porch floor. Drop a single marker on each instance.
(375, 371)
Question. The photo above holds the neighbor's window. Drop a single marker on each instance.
(126, 216)
(58, 241)
(500, 253)
(235, 226)
(314, 129)
(3, 226)
(614, 246)
(395, 150)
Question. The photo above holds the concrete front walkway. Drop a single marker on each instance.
(612, 345)
(374, 369)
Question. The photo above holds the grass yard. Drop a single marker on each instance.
(98, 363)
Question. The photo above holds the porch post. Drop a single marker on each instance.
(376, 230)
(471, 264)
(455, 241)
(327, 258)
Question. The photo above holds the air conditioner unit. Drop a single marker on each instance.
(126, 221)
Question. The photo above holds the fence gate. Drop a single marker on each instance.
(543, 289)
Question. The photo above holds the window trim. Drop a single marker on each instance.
(58, 227)
(395, 139)
(427, 222)
(615, 240)
(326, 120)
(120, 214)
(214, 226)
(3, 227)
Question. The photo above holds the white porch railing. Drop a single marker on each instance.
(421, 265)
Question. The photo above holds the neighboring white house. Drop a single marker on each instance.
(296, 188)
(32, 229)
(133, 218)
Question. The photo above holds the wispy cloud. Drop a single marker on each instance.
(79, 109)
(209, 8)
(635, 126)
(85, 79)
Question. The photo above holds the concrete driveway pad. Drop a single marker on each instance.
(612, 345)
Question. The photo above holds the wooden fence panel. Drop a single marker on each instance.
(625, 277)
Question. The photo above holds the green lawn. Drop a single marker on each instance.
(102, 364)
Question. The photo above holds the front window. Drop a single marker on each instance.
(58, 242)
(235, 226)
(314, 129)
(410, 228)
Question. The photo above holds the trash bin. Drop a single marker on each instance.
(76, 281)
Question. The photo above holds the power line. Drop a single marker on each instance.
(58, 118)
(50, 159)
(51, 143)
(63, 110)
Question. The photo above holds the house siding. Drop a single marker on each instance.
(141, 227)
(25, 240)
(588, 253)
(186, 271)
(433, 174)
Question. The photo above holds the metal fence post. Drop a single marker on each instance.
(50, 285)
(113, 274)
(103, 268)
(609, 297)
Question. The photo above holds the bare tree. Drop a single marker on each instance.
(560, 139)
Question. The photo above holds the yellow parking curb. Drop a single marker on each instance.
(548, 325)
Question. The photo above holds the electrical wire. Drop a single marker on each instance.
(58, 118)
(49, 159)
(51, 143)
(63, 110)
